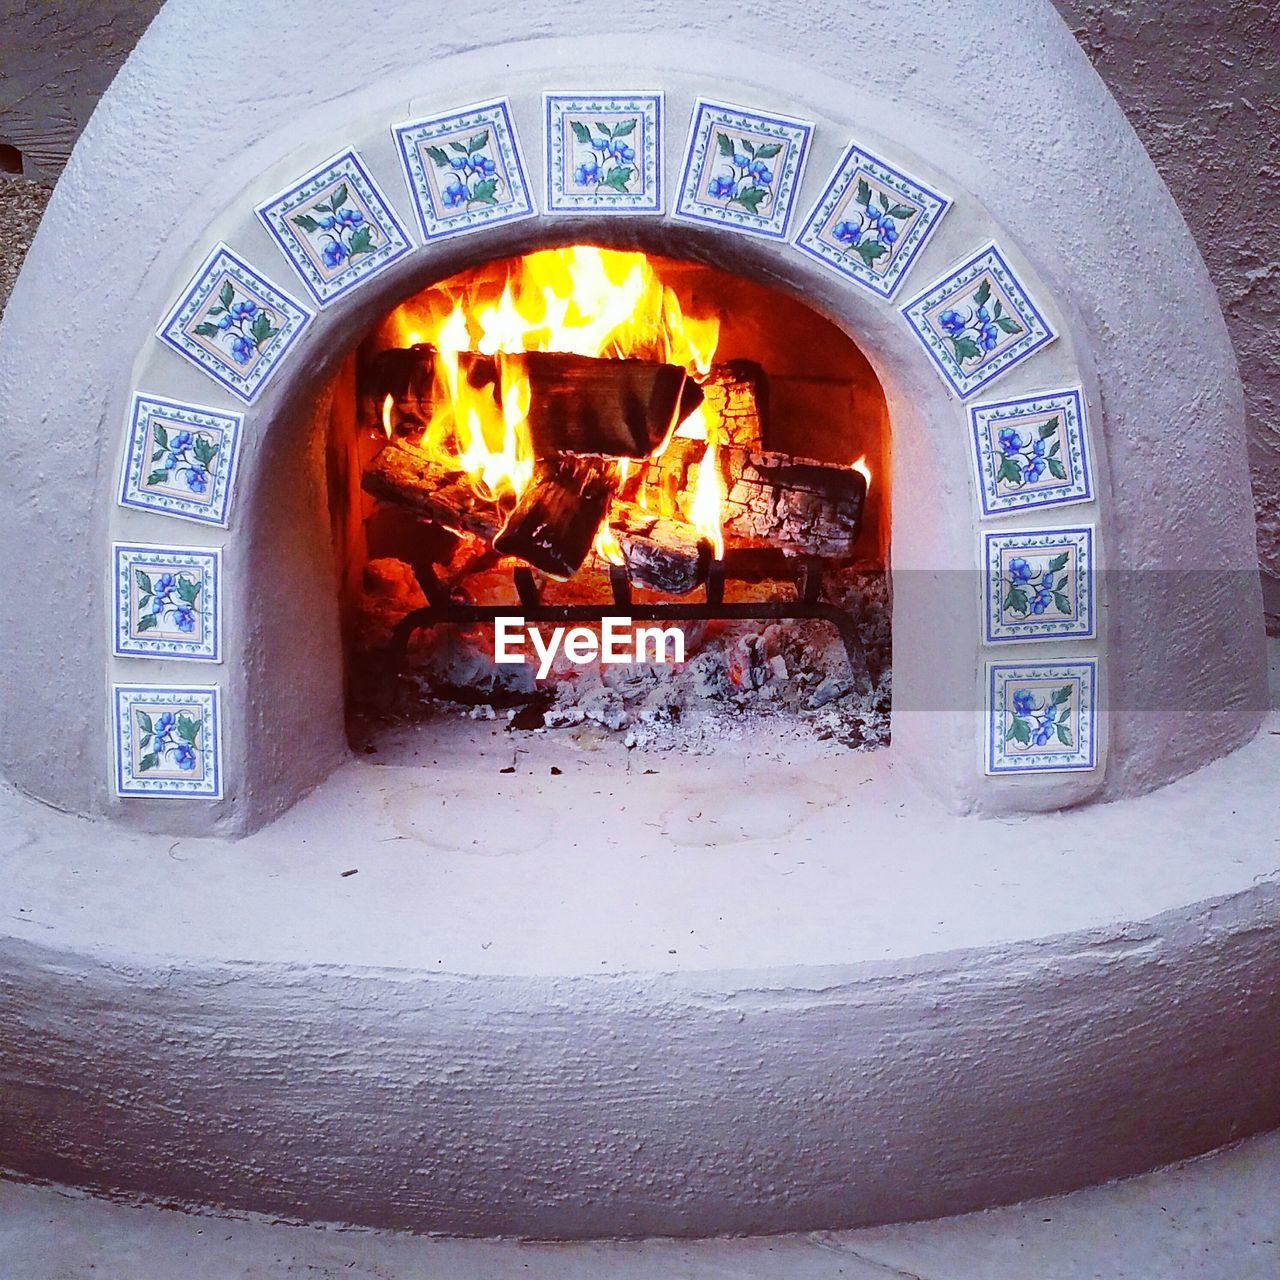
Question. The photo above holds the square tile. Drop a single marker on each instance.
(167, 741)
(234, 324)
(742, 169)
(180, 459)
(871, 222)
(167, 602)
(1039, 584)
(1041, 718)
(1031, 452)
(604, 152)
(464, 170)
(977, 322)
(336, 227)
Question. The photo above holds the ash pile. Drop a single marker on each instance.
(790, 679)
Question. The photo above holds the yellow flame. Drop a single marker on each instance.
(607, 546)
(387, 406)
(581, 300)
(705, 508)
(863, 470)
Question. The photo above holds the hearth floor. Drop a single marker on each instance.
(470, 853)
(1217, 1218)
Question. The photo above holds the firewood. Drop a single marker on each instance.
(803, 507)
(668, 477)
(552, 525)
(409, 479)
(736, 400)
(584, 404)
(664, 555)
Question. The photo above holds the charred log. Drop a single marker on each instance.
(735, 400)
(621, 408)
(803, 507)
(664, 555)
(556, 518)
(411, 480)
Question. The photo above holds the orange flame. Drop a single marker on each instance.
(582, 300)
(863, 470)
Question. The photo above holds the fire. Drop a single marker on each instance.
(863, 470)
(581, 300)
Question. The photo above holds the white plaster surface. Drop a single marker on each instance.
(596, 1004)
(1217, 1218)
(1182, 654)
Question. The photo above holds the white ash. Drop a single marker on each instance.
(739, 679)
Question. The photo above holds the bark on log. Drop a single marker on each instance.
(804, 507)
(664, 555)
(555, 520)
(736, 399)
(409, 479)
(620, 408)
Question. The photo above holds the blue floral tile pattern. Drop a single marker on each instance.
(336, 227)
(234, 324)
(167, 602)
(977, 322)
(871, 222)
(1041, 718)
(1031, 452)
(1039, 584)
(742, 169)
(167, 741)
(180, 459)
(464, 170)
(604, 152)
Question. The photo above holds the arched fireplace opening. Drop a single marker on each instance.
(627, 496)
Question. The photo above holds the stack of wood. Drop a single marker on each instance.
(585, 416)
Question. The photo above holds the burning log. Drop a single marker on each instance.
(409, 479)
(735, 402)
(620, 408)
(805, 507)
(664, 555)
(801, 507)
(556, 518)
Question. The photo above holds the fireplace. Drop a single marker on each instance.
(838, 344)
(580, 435)
(955, 361)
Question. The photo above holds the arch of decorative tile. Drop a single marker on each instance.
(298, 271)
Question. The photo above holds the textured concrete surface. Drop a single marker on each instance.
(1197, 83)
(1212, 1219)
(615, 1005)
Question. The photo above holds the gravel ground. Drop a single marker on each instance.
(21, 208)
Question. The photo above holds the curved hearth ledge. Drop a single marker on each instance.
(726, 996)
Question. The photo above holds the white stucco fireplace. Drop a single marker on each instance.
(467, 987)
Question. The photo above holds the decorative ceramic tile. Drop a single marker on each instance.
(604, 152)
(742, 169)
(1039, 585)
(1041, 718)
(871, 222)
(234, 324)
(1031, 452)
(167, 602)
(336, 227)
(167, 741)
(180, 459)
(464, 170)
(977, 322)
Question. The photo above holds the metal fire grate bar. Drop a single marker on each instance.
(443, 609)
